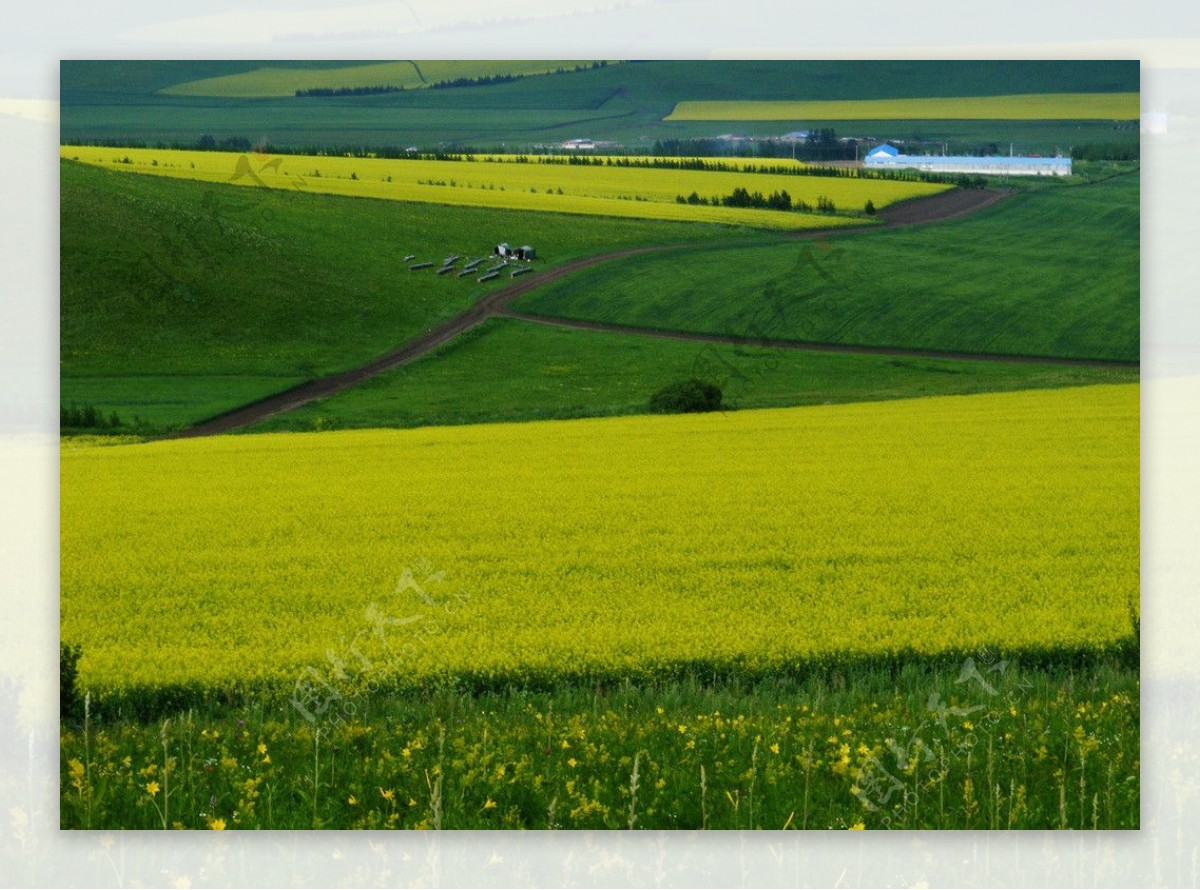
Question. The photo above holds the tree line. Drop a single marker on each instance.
(347, 91)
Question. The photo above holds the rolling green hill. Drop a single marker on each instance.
(1050, 272)
(181, 299)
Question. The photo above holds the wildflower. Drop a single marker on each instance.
(858, 826)
(489, 804)
(352, 800)
(262, 747)
(388, 795)
(216, 824)
(152, 788)
(571, 762)
(775, 748)
(968, 725)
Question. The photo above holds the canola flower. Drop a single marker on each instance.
(632, 192)
(928, 526)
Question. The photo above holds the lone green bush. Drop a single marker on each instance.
(686, 396)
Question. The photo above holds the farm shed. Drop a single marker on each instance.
(888, 157)
(504, 249)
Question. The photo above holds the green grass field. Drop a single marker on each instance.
(861, 750)
(1051, 272)
(180, 299)
(513, 370)
(1035, 106)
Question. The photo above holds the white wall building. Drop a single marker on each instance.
(888, 157)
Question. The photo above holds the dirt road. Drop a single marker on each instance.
(943, 206)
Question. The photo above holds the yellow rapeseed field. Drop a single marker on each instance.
(622, 546)
(641, 193)
(1032, 106)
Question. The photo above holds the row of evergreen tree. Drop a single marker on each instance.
(778, 200)
(321, 92)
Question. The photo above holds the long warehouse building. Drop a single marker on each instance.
(888, 157)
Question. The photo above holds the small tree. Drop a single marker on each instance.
(69, 702)
(686, 396)
(869, 207)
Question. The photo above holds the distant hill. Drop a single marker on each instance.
(137, 101)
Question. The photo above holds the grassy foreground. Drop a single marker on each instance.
(982, 743)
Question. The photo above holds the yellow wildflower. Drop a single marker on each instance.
(216, 824)
(152, 788)
(858, 826)
(388, 795)
(489, 804)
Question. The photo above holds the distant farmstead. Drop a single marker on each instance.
(888, 157)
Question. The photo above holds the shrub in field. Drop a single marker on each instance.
(69, 700)
(686, 396)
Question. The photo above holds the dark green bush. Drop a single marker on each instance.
(70, 702)
(686, 396)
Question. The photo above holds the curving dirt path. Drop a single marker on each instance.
(943, 206)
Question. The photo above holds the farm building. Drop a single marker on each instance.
(888, 157)
(524, 252)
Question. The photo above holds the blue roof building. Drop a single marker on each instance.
(888, 157)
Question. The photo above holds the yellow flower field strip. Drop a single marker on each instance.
(1032, 106)
(601, 191)
(608, 546)
(270, 82)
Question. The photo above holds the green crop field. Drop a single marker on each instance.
(513, 370)
(1052, 272)
(181, 299)
(270, 82)
(637, 193)
(1043, 106)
